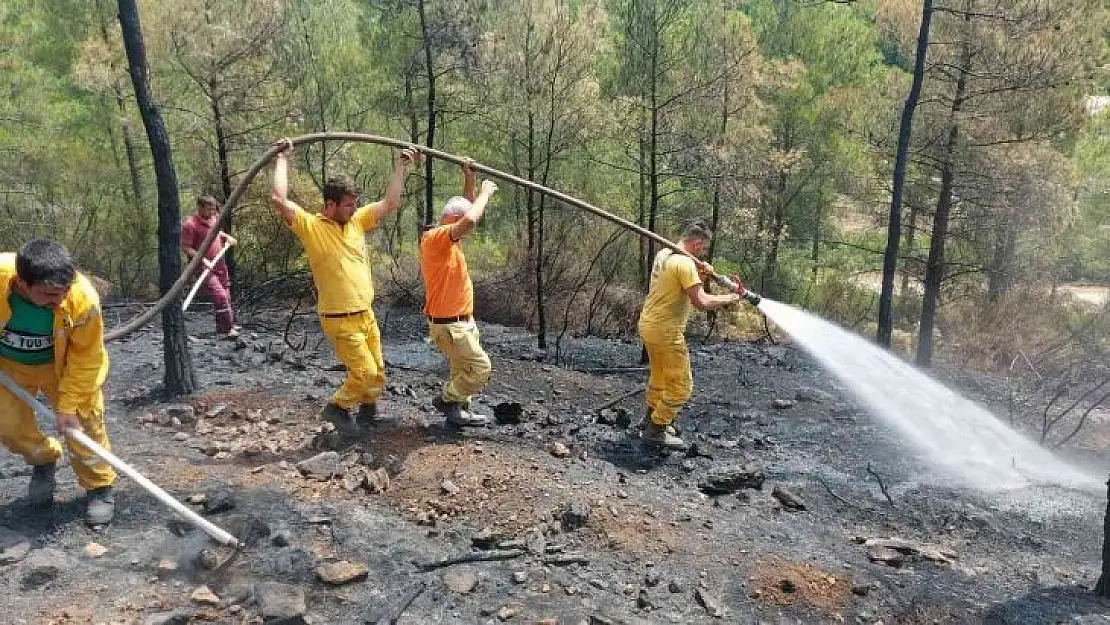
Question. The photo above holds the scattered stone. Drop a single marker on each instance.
(887, 556)
(182, 412)
(342, 572)
(576, 515)
(354, 479)
(782, 404)
(789, 500)
(904, 548)
(729, 479)
(520, 577)
(280, 601)
(166, 568)
(508, 413)
(675, 586)
(712, 606)
(643, 600)
(509, 611)
(788, 586)
(599, 583)
(571, 590)
(207, 559)
(41, 567)
(176, 617)
(861, 590)
(813, 395)
(377, 481)
(95, 550)
(652, 579)
(486, 539)
(204, 596)
(461, 581)
(14, 546)
(607, 416)
(181, 437)
(559, 450)
(624, 419)
(218, 500)
(323, 466)
(449, 487)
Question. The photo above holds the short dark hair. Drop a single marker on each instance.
(207, 200)
(338, 187)
(42, 261)
(697, 229)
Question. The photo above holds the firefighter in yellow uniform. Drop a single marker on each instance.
(52, 341)
(335, 242)
(675, 286)
(449, 301)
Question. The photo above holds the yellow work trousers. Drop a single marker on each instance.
(470, 366)
(670, 382)
(20, 432)
(358, 345)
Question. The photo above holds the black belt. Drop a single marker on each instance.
(443, 320)
(341, 315)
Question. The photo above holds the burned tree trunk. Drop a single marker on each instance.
(180, 378)
(1103, 587)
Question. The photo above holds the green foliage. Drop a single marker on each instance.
(776, 114)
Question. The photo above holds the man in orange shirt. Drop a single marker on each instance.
(449, 301)
(335, 242)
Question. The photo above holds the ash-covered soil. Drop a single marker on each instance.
(775, 515)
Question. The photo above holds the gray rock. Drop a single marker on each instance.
(176, 617)
(729, 479)
(323, 466)
(486, 539)
(342, 572)
(789, 500)
(676, 586)
(218, 500)
(280, 601)
(576, 515)
(782, 404)
(182, 412)
(461, 581)
(711, 604)
(42, 566)
(14, 546)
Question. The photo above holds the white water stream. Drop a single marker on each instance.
(959, 438)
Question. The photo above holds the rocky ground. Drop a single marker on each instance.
(791, 506)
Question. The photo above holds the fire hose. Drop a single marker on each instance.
(221, 536)
(203, 277)
(178, 286)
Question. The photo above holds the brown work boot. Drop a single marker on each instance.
(40, 491)
(341, 418)
(657, 436)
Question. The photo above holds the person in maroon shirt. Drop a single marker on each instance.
(218, 282)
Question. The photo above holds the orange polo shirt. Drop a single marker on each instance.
(337, 258)
(448, 291)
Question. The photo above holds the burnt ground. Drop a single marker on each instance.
(606, 533)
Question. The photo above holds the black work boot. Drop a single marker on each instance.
(341, 418)
(41, 489)
(647, 421)
(100, 506)
(657, 435)
(368, 415)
